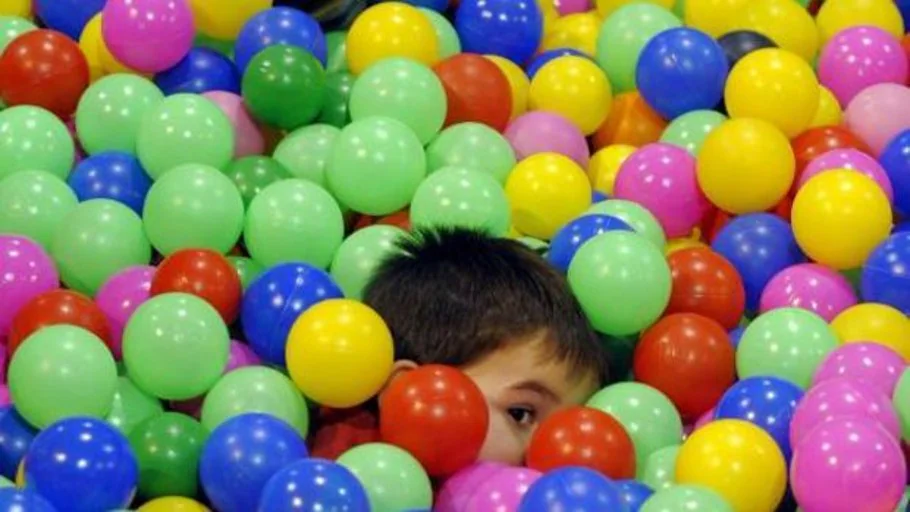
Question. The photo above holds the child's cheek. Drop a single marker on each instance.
(504, 443)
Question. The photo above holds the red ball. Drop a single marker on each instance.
(437, 414)
(690, 359)
(816, 141)
(203, 273)
(476, 89)
(581, 436)
(46, 69)
(705, 283)
(54, 308)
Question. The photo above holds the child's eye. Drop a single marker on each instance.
(523, 416)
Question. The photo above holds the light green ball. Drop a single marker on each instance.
(392, 478)
(360, 255)
(659, 471)
(472, 146)
(255, 389)
(246, 268)
(12, 27)
(132, 406)
(463, 198)
(305, 152)
(111, 111)
(336, 43)
(638, 217)
(34, 204)
(690, 130)
(902, 403)
(33, 139)
(449, 43)
(686, 498)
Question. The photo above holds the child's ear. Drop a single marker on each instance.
(399, 368)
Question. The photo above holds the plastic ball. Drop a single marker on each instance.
(829, 112)
(815, 142)
(852, 159)
(279, 26)
(634, 494)
(15, 437)
(252, 174)
(788, 24)
(640, 219)
(111, 110)
(572, 488)
(131, 406)
(242, 454)
(548, 56)
(173, 504)
(24, 499)
(392, 478)
(57, 307)
(248, 136)
(546, 132)
(148, 35)
(657, 472)
(577, 31)
(809, 286)
(457, 490)
(874, 364)
(29, 272)
(835, 16)
(472, 146)
(477, 91)
(111, 175)
(43, 68)
(305, 152)
(546, 191)
(767, 402)
(204, 273)
(605, 164)
(715, 17)
(167, 448)
(858, 57)
(576, 233)
(223, 20)
(878, 114)
(31, 139)
(690, 130)
(705, 283)
(895, 159)
(449, 44)
(574, 87)
(463, 198)
(255, 389)
(631, 121)
(11, 27)
(335, 108)
(284, 87)
(686, 498)
(877, 323)
(901, 393)
(519, 83)
(390, 29)
(314, 484)
(503, 489)
(518, 28)
(202, 70)
(119, 297)
(739, 43)
(885, 275)
(360, 255)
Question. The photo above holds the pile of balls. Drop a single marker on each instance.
(195, 193)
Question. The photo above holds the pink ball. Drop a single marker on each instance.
(503, 490)
(661, 177)
(566, 7)
(148, 35)
(458, 490)
(848, 465)
(838, 398)
(4, 395)
(858, 57)
(705, 418)
(119, 297)
(811, 287)
(191, 407)
(545, 132)
(878, 114)
(241, 355)
(27, 271)
(848, 159)
(872, 363)
(248, 138)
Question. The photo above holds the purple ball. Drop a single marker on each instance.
(27, 271)
(241, 355)
(503, 490)
(119, 297)
(458, 490)
(545, 132)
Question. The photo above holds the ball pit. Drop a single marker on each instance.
(195, 196)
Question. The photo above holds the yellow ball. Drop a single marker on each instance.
(574, 87)
(20, 474)
(339, 353)
(550, 14)
(607, 7)
(391, 29)
(828, 112)
(715, 17)
(786, 22)
(839, 217)
(91, 42)
(737, 460)
(836, 15)
(20, 8)
(775, 85)
(746, 166)
(678, 244)
(604, 166)
(518, 83)
(576, 31)
(223, 19)
(545, 192)
(173, 504)
(876, 323)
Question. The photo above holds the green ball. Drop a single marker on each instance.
(686, 498)
(175, 346)
(902, 403)
(193, 206)
(293, 220)
(624, 35)
(62, 371)
(464, 198)
(472, 146)
(647, 415)
(659, 471)
(132, 406)
(404, 90)
(12, 27)
(111, 111)
(376, 166)
(336, 43)
(621, 281)
(255, 389)
(99, 238)
(246, 268)
(789, 343)
(284, 86)
(335, 111)
(305, 151)
(690, 130)
(361, 254)
(392, 478)
(168, 448)
(638, 217)
(184, 129)
(251, 174)
(449, 44)
(225, 48)
(33, 139)
(34, 204)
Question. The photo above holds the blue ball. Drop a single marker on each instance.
(202, 70)
(16, 435)
(436, 5)
(885, 276)
(550, 55)
(736, 335)
(23, 500)
(597, 197)
(276, 299)
(681, 70)
(896, 160)
(68, 16)
(242, 454)
(111, 175)
(634, 494)
(279, 25)
(509, 28)
(314, 485)
(903, 227)
(82, 465)
(759, 245)
(573, 235)
(572, 488)
(767, 402)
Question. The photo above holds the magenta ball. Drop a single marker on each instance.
(191, 407)
(458, 490)
(838, 398)
(545, 132)
(808, 286)
(872, 363)
(241, 355)
(848, 465)
(858, 57)
(148, 35)
(566, 7)
(848, 159)
(119, 297)
(878, 114)
(4, 395)
(248, 138)
(27, 272)
(661, 177)
(503, 490)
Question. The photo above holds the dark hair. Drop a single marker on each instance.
(452, 296)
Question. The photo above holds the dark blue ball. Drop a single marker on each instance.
(886, 273)
(572, 488)
(896, 160)
(201, 71)
(68, 16)
(314, 485)
(548, 56)
(767, 402)
(736, 335)
(634, 494)
(509, 28)
(573, 235)
(111, 175)
(436, 5)
(279, 25)
(16, 435)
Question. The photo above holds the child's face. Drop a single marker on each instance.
(522, 387)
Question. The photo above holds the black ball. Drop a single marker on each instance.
(740, 43)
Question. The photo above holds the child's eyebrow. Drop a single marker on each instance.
(536, 387)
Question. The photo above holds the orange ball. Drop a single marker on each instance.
(631, 121)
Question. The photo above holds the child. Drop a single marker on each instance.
(497, 311)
